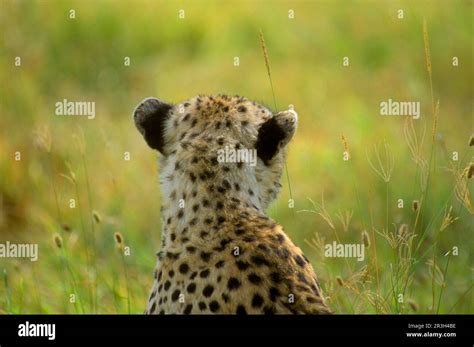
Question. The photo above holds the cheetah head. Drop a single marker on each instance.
(193, 135)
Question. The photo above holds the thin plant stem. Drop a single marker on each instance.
(124, 264)
(443, 284)
(7, 290)
(51, 172)
(269, 73)
(88, 257)
(94, 251)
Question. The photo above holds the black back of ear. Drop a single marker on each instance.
(150, 119)
(270, 135)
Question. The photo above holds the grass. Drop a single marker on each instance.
(269, 73)
(417, 259)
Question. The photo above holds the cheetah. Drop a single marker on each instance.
(220, 253)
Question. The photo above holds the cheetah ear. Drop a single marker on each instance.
(275, 134)
(150, 118)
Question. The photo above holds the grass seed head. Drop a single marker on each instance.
(119, 240)
(58, 241)
(403, 231)
(365, 239)
(265, 54)
(96, 216)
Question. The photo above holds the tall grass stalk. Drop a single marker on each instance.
(73, 280)
(94, 244)
(435, 111)
(36, 291)
(43, 141)
(127, 282)
(269, 73)
(443, 284)
(51, 170)
(461, 298)
(81, 143)
(71, 177)
(120, 247)
(7, 291)
(320, 209)
(426, 183)
(433, 283)
(66, 290)
(115, 294)
(364, 224)
(58, 241)
(354, 181)
(374, 242)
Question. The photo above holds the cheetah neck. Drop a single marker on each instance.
(202, 208)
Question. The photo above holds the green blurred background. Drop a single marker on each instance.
(175, 59)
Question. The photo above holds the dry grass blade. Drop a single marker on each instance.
(435, 271)
(462, 192)
(428, 61)
(461, 189)
(357, 278)
(321, 210)
(376, 300)
(401, 236)
(448, 219)
(346, 147)
(384, 169)
(317, 243)
(435, 123)
(345, 218)
(70, 176)
(392, 238)
(411, 138)
(416, 147)
(42, 139)
(267, 64)
(427, 47)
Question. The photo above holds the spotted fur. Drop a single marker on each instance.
(220, 253)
